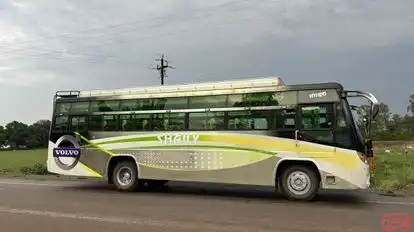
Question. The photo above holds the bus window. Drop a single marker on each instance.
(285, 119)
(103, 123)
(62, 108)
(79, 123)
(206, 121)
(236, 100)
(126, 123)
(285, 98)
(137, 122)
(170, 103)
(136, 104)
(260, 119)
(317, 122)
(176, 121)
(110, 123)
(261, 99)
(104, 106)
(79, 107)
(61, 123)
(95, 123)
(160, 122)
(197, 121)
(317, 117)
(239, 120)
(204, 102)
(142, 122)
(166, 122)
(215, 121)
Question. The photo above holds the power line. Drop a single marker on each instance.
(162, 67)
(50, 55)
(74, 40)
(186, 29)
(115, 26)
(77, 58)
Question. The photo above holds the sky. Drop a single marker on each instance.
(51, 45)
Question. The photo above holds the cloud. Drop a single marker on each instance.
(301, 40)
(5, 68)
(16, 77)
(18, 4)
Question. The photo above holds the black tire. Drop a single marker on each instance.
(311, 188)
(133, 183)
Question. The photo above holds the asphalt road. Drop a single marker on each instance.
(34, 205)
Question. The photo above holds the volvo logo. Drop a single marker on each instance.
(68, 156)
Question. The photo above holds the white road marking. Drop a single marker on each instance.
(31, 183)
(54, 214)
(188, 225)
(17, 182)
(390, 202)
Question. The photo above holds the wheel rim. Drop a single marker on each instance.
(124, 176)
(299, 183)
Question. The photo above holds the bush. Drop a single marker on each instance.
(6, 171)
(37, 169)
(394, 168)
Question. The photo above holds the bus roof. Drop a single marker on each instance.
(260, 82)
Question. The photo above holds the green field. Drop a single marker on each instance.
(394, 170)
(23, 162)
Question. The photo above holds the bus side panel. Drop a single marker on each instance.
(189, 156)
(240, 158)
(207, 166)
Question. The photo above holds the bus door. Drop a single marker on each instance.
(315, 125)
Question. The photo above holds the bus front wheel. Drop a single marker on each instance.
(299, 182)
(125, 176)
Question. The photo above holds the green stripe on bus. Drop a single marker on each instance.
(139, 139)
(146, 139)
(201, 146)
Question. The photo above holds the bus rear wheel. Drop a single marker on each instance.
(299, 183)
(125, 176)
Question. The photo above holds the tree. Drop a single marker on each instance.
(2, 135)
(382, 120)
(410, 107)
(17, 134)
(395, 123)
(39, 133)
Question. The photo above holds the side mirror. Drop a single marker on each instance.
(374, 110)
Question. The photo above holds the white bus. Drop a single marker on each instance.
(296, 138)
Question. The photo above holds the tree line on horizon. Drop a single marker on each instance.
(386, 127)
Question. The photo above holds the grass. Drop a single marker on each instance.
(394, 170)
(23, 162)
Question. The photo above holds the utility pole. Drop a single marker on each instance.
(162, 68)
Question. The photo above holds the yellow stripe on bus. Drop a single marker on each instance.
(90, 170)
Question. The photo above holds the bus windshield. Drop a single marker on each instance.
(367, 117)
(360, 120)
